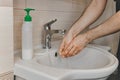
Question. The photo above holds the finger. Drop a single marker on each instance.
(66, 54)
(62, 52)
(77, 51)
(67, 45)
(71, 52)
(68, 49)
(62, 46)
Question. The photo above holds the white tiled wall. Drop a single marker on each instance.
(6, 3)
(6, 39)
(19, 3)
(66, 11)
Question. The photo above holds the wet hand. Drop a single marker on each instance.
(66, 42)
(75, 46)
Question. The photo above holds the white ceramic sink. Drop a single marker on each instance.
(89, 58)
(92, 63)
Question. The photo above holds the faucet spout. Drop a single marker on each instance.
(58, 31)
(48, 33)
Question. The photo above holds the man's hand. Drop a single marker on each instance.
(71, 45)
(75, 46)
(66, 41)
(77, 43)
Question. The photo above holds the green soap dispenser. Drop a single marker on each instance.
(28, 18)
(27, 47)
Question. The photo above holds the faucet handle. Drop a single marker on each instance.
(51, 22)
(47, 26)
(62, 31)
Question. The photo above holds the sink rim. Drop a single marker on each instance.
(113, 61)
(91, 73)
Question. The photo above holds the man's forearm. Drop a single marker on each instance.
(110, 26)
(92, 13)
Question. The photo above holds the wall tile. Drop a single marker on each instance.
(6, 3)
(66, 11)
(78, 5)
(54, 5)
(19, 4)
(46, 10)
(18, 21)
(6, 39)
(62, 18)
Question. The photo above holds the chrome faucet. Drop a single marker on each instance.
(48, 33)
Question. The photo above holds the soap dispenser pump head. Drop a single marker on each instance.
(28, 18)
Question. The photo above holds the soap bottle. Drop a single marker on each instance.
(27, 47)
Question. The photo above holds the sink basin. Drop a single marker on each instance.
(92, 63)
(89, 58)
